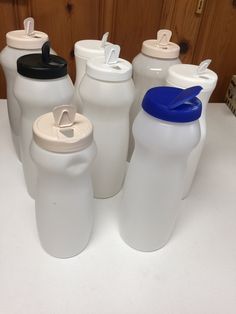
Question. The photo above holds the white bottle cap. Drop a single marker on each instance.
(90, 48)
(186, 75)
(63, 130)
(161, 47)
(26, 38)
(109, 67)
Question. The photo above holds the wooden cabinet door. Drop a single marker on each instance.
(209, 35)
(130, 22)
(217, 41)
(10, 18)
(65, 21)
(181, 18)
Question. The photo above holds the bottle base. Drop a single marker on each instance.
(61, 255)
(147, 248)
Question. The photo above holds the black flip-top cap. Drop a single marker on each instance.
(42, 66)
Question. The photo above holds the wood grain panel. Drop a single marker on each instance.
(135, 21)
(67, 21)
(8, 22)
(180, 17)
(107, 17)
(53, 18)
(85, 19)
(217, 41)
(209, 35)
(22, 10)
(167, 14)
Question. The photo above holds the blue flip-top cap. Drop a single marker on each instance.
(173, 104)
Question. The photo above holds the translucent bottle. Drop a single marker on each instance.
(165, 133)
(41, 84)
(187, 75)
(85, 50)
(63, 150)
(107, 92)
(150, 69)
(19, 43)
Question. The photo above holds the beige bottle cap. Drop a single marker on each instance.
(26, 38)
(161, 47)
(63, 130)
(90, 48)
(110, 67)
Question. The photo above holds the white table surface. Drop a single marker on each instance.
(194, 273)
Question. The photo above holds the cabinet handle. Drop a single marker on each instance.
(200, 6)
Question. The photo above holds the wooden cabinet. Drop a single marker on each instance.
(180, 17)
(206, 35)
(209, 35)
(133, 22)
(217, 41)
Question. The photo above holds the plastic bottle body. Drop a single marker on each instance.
(85, 50)
(148, 72)
(195, 155)
(107, 106)
(154, 181)
(185, 76)
(8, 58)
(64, 200)
(35, 98)
(80, 72)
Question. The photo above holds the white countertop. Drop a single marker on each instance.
(195, 273)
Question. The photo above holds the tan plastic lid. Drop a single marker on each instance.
(26, 38)
(110, 67)
(161, 47)
(90, 48)
(186, 75)
(63, 130)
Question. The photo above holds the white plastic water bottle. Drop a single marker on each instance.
(85, 50)
(165, 133)
(150, 69)
(41, 84)
(63, 150)
(187, 75)
(107, 92)
(19, 43)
